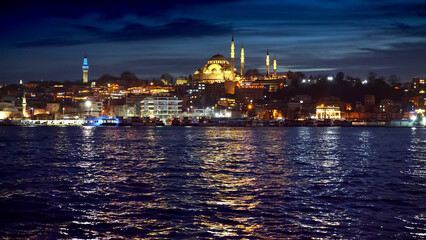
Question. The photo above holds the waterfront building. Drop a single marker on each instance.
(162, 107)
(328, 112)
(124, 111)
(7, 111)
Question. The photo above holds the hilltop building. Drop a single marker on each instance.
(216, 70)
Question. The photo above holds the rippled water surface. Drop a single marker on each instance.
(210, 183)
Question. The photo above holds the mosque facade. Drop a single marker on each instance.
(216, 70)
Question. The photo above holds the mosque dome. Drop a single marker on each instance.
(218, 57)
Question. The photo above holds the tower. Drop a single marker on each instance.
(267, 63)
(24, 105)
(242, 60)
(232, 59)
(275, 66)
(85, 69)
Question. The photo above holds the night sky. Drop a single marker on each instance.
(48, 39)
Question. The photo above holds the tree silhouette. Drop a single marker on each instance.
(340, 77)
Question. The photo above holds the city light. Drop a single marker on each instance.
(214, 81)
(4, 115)
(420, 111)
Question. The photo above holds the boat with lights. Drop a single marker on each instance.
(101, 121)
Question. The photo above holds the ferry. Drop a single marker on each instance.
(101, 121)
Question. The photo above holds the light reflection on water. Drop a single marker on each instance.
(172, 182)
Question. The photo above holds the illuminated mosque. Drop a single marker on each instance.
(219, 70)
(216, 70)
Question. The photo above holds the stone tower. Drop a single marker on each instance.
(85, 69)
(24, 105)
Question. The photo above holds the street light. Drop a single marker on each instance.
(88, 105)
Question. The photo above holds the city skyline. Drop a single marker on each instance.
(43, 40)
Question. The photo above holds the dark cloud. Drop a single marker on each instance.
(402, 26)
(399, 29)
(402, 8)
(182, 27)
(54, 42)
(403, 59)
(421, 14)
(107, 9)
(87, 28)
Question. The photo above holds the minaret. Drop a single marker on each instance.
(242, 60)
(275, 66)
(232, 59)
(85, 68)
(267, 63)
(24, 105)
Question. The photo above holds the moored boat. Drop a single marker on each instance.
(101, 121)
